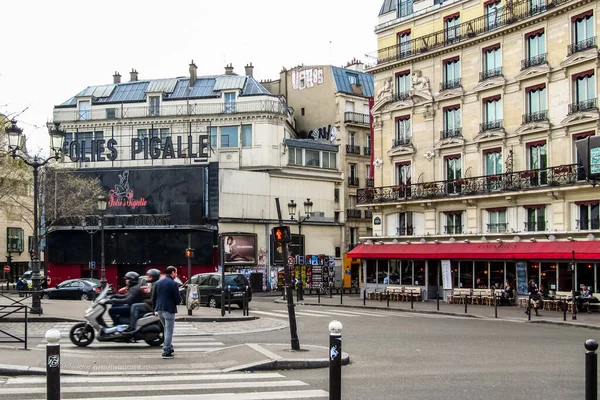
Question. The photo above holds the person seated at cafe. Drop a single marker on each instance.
(585, 298)
(536, 298)
(479, 284)
(508, 294)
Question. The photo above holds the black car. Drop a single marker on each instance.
(73, 289)
(209, 289)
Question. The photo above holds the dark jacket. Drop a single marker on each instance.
(165, 296)
(135, 294)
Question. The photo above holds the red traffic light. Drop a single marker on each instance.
(189, 253)
(281, 234)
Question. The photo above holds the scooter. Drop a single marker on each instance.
(148, 328)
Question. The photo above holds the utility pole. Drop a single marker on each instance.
(288, 287)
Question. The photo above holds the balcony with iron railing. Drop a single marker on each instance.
(401, 141)
(478, 27)
(356, 118)
(370, 182)
(537, 116)
(533, 61)
(407, 230)
(584, 105)
(352, 149)
(353, 213)
(535, 226)
(527, 180)
(128, 110)
(353, 181)
(450, 133)
(490, 73)
(582, 45)
(402, 96)
(367, 151)
(497, 228)
(450, 84)
(587, 224)
(490, 125)
(453, 229)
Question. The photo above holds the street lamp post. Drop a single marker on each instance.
(292, 211)
(102, 203)
(91, 230)
(15, 143)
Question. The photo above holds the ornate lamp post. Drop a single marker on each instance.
(15, 143)
(292, 211)
(102, 203)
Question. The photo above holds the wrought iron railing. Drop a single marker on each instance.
(353, 181)
(585, 105)
(407, 230)
(366, 151)
(352, 149)
(509, 15)
(356, 118)
(535, 226)
(453, 229)
(401, 141)
(535, 116)
(561, 175)
(581, 45)
(353, 213)
(370, 182)
(122, 111)
(497, 228)
(490, 125)
(490, 73)
(533, 61)
(587, 224)
(402, 96)
(451, 133)
(451, 84)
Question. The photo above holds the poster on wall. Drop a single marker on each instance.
(238, 248)
(446, 275)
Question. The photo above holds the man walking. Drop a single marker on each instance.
(165, 298)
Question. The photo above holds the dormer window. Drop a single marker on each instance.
(353, 79)
(154, 106)
(84, 110)
(230, 100)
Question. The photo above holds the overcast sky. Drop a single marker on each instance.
(55, 49)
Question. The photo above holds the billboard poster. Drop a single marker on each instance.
(238, 248)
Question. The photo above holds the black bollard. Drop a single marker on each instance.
(53, 364)
(298, 293)
(387, 295)
(319, 295)
(495, 304)
(342, 295)
(335, 360)
(301, 290)
(364, 297)
(529, 308)
(591, 370)
(222, 302)
(331, 290)
(245, 301)
(229, 298)
(412, 299)
(438, 299)
(466, 301)
(564, 306)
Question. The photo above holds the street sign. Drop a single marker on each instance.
(92, 264)
(291, 261)
(7, 268)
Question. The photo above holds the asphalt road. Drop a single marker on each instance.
(407, 356)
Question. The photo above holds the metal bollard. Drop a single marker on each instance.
(245, 301)
(229, 298)
(438, 299)
(529, 308)
(466, 301)
(495, 304)
(364, 297)
(222, 302)
(387, 295)
(342, 295)
(591, 370)
(53, 364)
(319, 295)
(564, 306)
(331, 290)
(335, 360)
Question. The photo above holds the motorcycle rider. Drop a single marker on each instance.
(146, 307)
(121, 304)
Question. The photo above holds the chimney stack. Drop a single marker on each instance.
(249, 69)
(117, 77)
(193, 71)
(133, 76)
(229, 69)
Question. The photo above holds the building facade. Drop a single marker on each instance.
(478, 106)
(190, 162)
(332, 104)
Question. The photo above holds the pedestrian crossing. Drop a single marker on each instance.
(186, 338)
(304, 312)
(220, 386)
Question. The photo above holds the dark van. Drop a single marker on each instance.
(209, 289)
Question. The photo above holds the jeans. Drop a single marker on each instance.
(137, 310)
(119, 311)
(168, 321)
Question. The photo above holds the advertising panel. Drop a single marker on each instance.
(239, 248)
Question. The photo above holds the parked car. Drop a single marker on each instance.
(209, 289)
(73, 289)
(111, 288)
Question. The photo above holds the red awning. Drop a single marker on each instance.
(584, 250)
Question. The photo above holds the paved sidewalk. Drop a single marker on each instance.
(508, 313)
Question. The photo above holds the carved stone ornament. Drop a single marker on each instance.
(378, 162)
(429, 111)
(419, 88)
(429, 155)
(377, 123)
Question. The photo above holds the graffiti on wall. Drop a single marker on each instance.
(306, 78)
(327, 132)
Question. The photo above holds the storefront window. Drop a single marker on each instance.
(585, 275)
(565, 280)
(395, 272)
(407, 272)
(497, 274)
(419, 273)
(382, 271)
(371, 271)
(511, 273)
(454, 269)
(481, 274)
(433, 271)
(466, 274)
(533, 272)
(548, 275)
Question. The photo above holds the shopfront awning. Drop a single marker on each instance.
(588, 250)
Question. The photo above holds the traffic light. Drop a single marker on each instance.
(32, 254)
(281, 234)
(189, 253)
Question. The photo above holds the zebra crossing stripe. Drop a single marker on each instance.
(271, 314)
(281, 395)
(361, 313)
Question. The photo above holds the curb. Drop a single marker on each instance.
(184, 319)
(282, 364)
